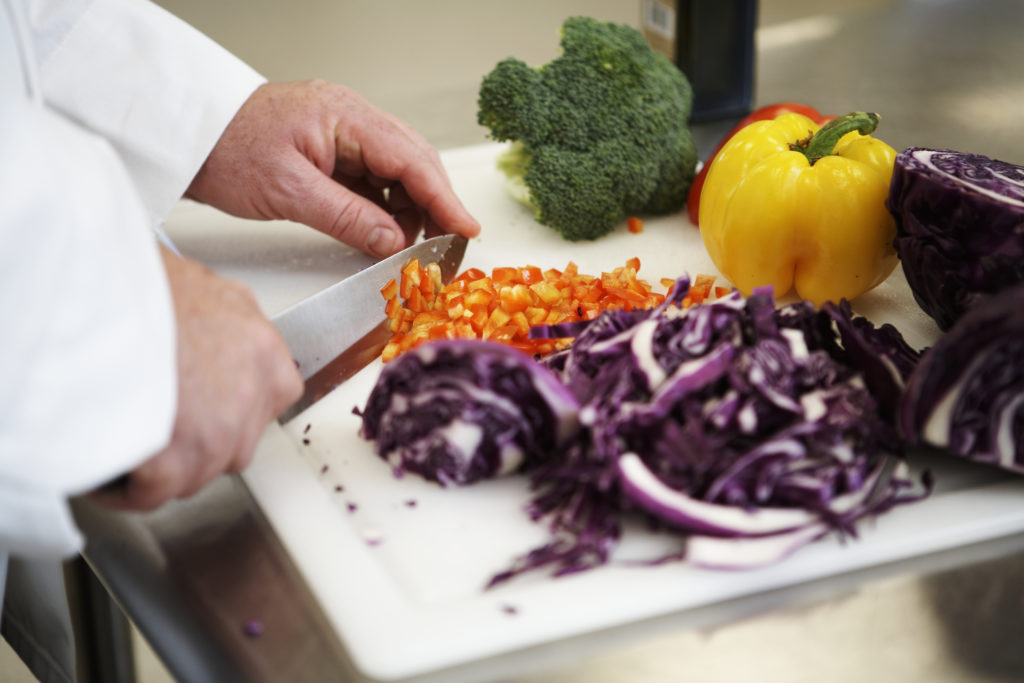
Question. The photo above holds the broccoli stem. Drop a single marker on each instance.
(822, 143)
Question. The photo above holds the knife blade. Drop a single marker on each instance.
(341, 329)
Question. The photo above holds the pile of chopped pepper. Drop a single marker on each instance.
(504, 306)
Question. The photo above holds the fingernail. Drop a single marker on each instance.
(382, 242)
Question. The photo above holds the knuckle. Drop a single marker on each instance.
(151, 485)
(263, 341)
(210, 435)
(348, 216)
(219, 450)
(292, 388)
(434, 156)
(247, 394)
(242, 292)
(193, 487)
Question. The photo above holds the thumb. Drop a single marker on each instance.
(333, 209)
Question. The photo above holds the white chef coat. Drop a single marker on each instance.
(108, 108)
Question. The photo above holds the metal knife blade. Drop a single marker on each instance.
(341, 329)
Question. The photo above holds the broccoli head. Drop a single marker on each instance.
(599, 133)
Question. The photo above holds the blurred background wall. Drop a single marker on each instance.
(941, 72)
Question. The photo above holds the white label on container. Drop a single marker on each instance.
(660, 18)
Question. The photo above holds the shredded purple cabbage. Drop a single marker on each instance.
(746, 412)
(731, 421)
(458, 411)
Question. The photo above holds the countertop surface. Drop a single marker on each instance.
(944, 73)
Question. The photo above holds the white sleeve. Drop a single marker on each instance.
(158, 89)
(132, 100)
(87, 374)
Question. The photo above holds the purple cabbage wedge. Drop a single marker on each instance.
(960, 227)
(966, 396)
(458, 411)
(751, 430)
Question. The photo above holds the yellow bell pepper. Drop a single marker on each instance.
(793, 206)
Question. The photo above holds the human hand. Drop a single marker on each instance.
(235, 375)
(317, 153)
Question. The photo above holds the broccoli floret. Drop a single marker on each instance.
(599, 133)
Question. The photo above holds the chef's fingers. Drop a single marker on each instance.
(277, 386)
(374, 190)
(286, 387)
(334, 209)
(249, 437)
(389, 149)
(409, 216)
(183, 469)
(224, 442)
(379, 183)
(365, 128)
(148, 486)
(391, 197)
(412, 219)
(431, 229)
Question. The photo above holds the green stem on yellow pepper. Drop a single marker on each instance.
(823, 142)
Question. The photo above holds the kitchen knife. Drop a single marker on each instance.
(341, 329)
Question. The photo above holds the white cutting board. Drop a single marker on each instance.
(399, 565)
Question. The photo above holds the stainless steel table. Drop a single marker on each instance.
(194, 576)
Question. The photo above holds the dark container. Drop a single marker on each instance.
(712, 42)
